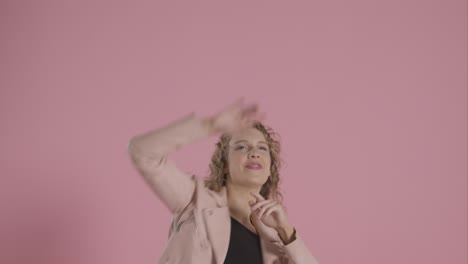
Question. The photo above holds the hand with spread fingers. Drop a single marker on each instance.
(273, 215)
(235, 117)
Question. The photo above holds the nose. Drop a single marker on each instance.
(254, 154)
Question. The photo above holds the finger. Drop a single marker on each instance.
(240, 100)
(236, 104)
(265, 207)
(260, 116)
(249, 116)
(271, 210)
(259, 204)
(244, 122)
(258, 197)
(250, 109)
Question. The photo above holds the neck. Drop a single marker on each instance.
(238, 201)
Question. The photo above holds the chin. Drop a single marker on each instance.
(257, 178)
(261, 180)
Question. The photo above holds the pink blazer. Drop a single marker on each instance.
(201, 225)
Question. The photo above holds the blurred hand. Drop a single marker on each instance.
(235, 117)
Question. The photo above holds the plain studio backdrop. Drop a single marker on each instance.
(369, 97)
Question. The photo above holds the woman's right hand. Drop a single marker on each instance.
(235, 117)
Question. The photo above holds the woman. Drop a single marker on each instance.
(235, 216)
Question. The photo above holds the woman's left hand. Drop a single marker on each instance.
(270, 213)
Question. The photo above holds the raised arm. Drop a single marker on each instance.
(149, 151)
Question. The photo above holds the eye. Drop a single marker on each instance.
(240, 147)
(264, 148)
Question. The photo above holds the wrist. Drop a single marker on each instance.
(208, 124)
(286, 233)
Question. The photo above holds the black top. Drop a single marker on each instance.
(244, 246)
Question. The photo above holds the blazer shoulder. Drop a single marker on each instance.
(207, 198)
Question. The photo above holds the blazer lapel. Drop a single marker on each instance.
(218, 228)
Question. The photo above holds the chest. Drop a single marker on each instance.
(203, 235)
(244, 245)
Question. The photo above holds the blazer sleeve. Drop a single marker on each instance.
(297, 252)
(148, 153)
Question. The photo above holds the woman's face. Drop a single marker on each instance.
(248, 158)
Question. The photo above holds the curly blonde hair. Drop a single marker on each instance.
(219, 162)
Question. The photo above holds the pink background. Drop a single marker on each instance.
(370, 98)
